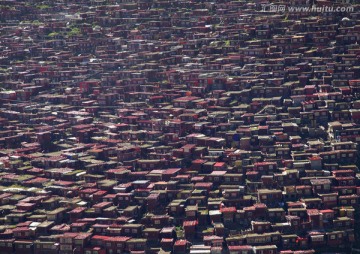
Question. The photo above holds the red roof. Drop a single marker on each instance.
(313, 211)
(240, 247)
(167, 240)
(171, 171)
(228, 209)
(188, 223)
(218, 173)
(119, 239)
(180, 243)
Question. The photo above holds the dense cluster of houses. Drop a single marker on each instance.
(190, 126)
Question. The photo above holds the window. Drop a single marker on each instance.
(317, 238)
(66, 247)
